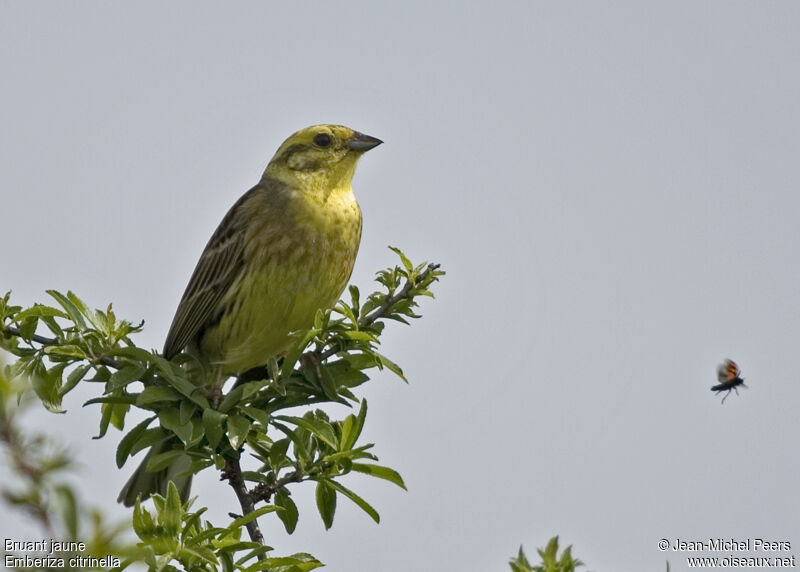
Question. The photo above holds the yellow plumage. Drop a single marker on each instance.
(289, 271)
(284, 250)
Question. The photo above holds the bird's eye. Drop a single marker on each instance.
(322, 140)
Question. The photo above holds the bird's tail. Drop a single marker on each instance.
(146, 483)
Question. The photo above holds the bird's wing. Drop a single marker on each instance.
(214, 274)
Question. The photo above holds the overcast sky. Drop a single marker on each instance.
(612, 189)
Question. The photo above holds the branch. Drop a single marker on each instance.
(233, 473)
(14, 331)
(382, 310)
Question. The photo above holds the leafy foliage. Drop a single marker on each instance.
(38, 465)
(61, 345)
(174, 534)
(551, 561)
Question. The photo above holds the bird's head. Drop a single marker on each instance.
(324, 155)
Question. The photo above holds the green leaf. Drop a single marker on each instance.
(71, 309)
(101, 374)
(52, 325)
(359, 336)
(352, 426)
(124, 399)
(300, 449)
(67, 350)
(193, 467)
(391, 366)
(65, 500)
(172, 515)
(362, 504)
(320, 429)
(170, 420)
(156, 393)
(289, 513)
(74, 377)
(27, 328)
(272, 369)
(128, 441)
(326, 501)
(93, 316)
(187, 410)
(106, 411)
(174, 376)
(212, 423)
(192, 522)
(346, 375)
(47, 384)
(355, 304)
(328, 385)
(129, 373)
(319, 320)
(149, 437)
(163, 460)
(346, 311)
(134, 353)
(239, 394)
(239, 564)
(39, 310)
(361, 360)
(380, 472)
(406, 262)
(238, 427)
(143, 523)
(295, 563)
(277, 453)
(256, 477)
(118, 413)
(255, 548)
(197, 553)
(296, 350)
(258, 415)
(242, 520)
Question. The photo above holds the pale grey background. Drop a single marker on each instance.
(611, 187)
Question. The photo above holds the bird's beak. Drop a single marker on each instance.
(361, 143)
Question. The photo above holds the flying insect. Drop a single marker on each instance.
(729, 378)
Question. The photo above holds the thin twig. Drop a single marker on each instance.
(383, 309)
(14, 331)
(264, 492)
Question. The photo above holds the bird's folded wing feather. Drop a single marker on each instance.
(214, 274)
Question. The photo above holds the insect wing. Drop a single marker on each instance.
(727, 372)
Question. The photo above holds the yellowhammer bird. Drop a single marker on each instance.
(284, 250)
